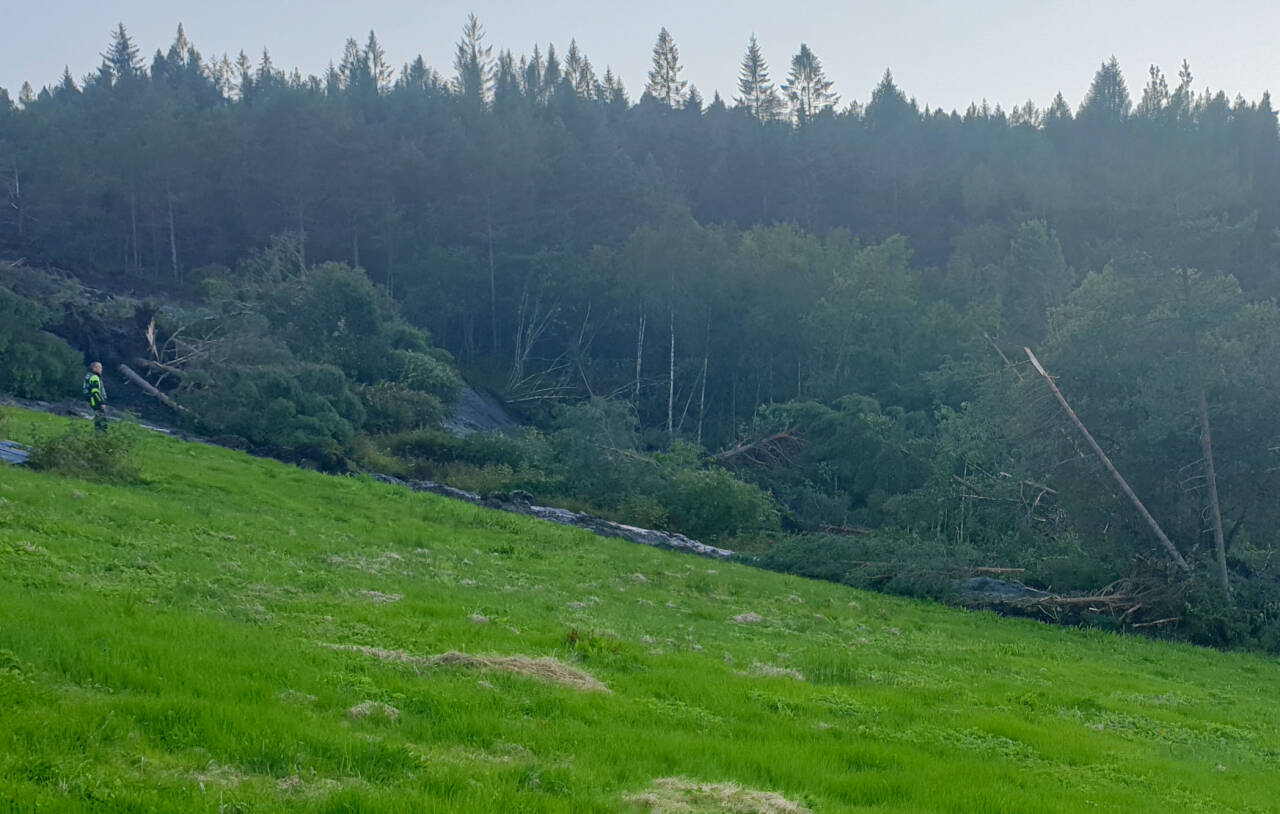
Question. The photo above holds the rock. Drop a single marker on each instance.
(477, 413)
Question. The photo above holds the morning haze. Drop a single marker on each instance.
(944, 54)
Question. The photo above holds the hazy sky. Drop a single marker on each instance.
(943, 53)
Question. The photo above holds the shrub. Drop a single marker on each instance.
(390, 408)
(710, 503)
(83, 452)
(33, 363)
(425, 373)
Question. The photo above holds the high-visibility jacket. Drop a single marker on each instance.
(95, 391)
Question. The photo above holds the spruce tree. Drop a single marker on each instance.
(354, 68)
(67, 86)
(473, 63)
(376, 59)
(889, 106)
(121, 62)
(665, 85)
(1108, 97)
(1058, 111)
(758, 96)
(612, 90)
(533, 75)
(807, 87)
(579, 73)
(551, 74)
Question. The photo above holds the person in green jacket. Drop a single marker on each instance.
(96, 392)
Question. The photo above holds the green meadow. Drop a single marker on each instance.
(232, 634)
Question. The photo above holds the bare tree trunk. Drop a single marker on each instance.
(133, 227)
(173, 238)
(1206, 447)
(1219, 540)
(17, 201)
(671, 375)
(1115, 473)
(639, 350)
(355, 243)
(706, 360)
(302, 238)
(493, 276)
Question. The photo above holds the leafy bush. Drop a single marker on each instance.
(83, 452)
(710, 503)
(301, 412)
(33, 363)
(391, 408)
(427, 373)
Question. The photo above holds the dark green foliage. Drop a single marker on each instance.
(711, 503)
(80, 451)
(391, 408)
(906, 565)
(34, 363)
(292, 411)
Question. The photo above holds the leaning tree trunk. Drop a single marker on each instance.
(1115, 473)
(639, 351)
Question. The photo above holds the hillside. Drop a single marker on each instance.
(235, 634)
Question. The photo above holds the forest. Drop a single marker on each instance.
(783, 319)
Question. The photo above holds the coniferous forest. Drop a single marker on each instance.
(784, 319)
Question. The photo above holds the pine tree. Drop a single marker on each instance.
(1026, 113)
(180, 48)
(1108, 98)
(121, 62)
(758, 96)
(245, 70)
(807, 87)
(665, 85)
(267, 74)
(376, 59)
(551, 75)
(1155, 96)
(579, 73)
(417, 76)
(26, 96)
(533, 75)
(612, 90)
(473, 63)
(693, 102)
(506, 81)
(1058, 111)
(354, 68)
(889, 106)
(67, 85)
(1182, 100)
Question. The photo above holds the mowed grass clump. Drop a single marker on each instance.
(234, 634)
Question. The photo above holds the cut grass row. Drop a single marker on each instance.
(163, 647)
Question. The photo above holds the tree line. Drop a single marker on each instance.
(774, 265)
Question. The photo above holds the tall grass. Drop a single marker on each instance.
(163, 647)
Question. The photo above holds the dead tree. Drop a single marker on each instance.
(1206, 447)
(769, 451)
(1115, 473)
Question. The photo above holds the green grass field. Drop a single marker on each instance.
(234, 634)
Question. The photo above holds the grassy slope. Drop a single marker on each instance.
(159, 650)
